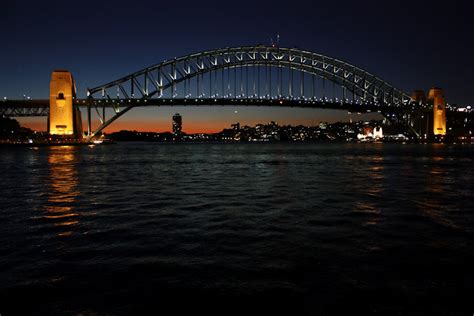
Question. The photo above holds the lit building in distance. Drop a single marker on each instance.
(435, 123)
(236, 131)
(378, 133)
(177, 124)
(236, 126)
(369, 133)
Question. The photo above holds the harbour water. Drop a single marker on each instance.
(234, 228)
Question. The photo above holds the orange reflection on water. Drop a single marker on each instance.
(62, 192)
(373, 189)
(435, 178)
(368, 209)
(432, 206)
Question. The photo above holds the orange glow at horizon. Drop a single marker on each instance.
(142, 126)
(152, 126)
(208, 120)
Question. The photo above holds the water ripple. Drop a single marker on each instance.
(318, 220)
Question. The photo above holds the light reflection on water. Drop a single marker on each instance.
(433, 205)
(371, 191)
(325, 220)
(62, 190)
(374, 189)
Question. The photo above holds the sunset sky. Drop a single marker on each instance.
(407, 43)
(213, 119)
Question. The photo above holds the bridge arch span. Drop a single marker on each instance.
(264, 73)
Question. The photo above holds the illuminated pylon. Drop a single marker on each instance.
(439, 111)
(64, 118)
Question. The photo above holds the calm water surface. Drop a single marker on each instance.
(305, 228)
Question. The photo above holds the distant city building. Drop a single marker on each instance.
(369, 134)
(368, 131)
(236, 126)
(177, 124)
(236, 131)
(378, 133)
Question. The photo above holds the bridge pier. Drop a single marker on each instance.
(431, 124)
(89, 124)
(64, 120)
(439, 111)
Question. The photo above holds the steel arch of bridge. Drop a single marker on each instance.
(154, 82)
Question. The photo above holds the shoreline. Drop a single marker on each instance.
(42, 144)
(16, 145)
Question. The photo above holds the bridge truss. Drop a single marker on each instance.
(240, 76)
(255, 75)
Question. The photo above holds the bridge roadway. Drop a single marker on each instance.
(22, 108)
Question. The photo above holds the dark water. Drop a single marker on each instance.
(292, 228)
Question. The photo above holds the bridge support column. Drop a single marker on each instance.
(439, 111)
(89, 125)
(64, 120)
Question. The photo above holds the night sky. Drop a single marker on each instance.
(413, 45)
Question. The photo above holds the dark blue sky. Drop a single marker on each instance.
(411, 44)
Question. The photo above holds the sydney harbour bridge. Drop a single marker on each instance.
(239, 76)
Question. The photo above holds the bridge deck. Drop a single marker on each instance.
(17, 108)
